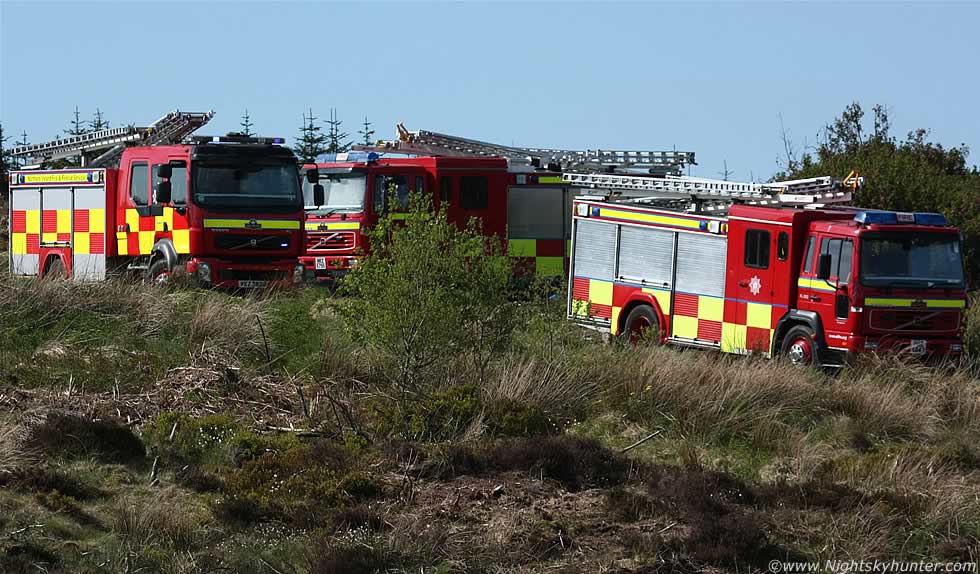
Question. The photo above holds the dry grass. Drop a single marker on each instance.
(554, 387)
(15, 455)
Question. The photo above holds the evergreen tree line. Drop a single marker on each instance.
(313, 140)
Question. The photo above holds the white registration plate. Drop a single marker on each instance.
(918, 347)
(251, 284)
(321, 263)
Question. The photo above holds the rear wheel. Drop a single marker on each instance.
(55, 269)
(159, 272)
(641, 323)
(800, 347)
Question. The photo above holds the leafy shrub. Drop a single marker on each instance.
(508, 417)
(213, 439)
(297, 486)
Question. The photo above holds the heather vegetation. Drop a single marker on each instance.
(431, 417)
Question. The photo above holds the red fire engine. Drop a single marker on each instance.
(515, 193)
(228, 209)
(773, 268)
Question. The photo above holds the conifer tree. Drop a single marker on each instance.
(6, 162)
(98, 123)
(311, 141)
(367, 133)
(77, 126)
(246, 125)
(337, 141)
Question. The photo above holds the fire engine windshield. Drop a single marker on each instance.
(253, 185)
(902, 260)
(341, 194)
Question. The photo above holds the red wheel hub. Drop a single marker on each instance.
(800, 351)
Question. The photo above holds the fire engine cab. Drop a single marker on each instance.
(226, 209)
(514, 192)
(776, 269)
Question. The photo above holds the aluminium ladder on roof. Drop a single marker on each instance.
(695, 194)
(171, 128)
(424, 142)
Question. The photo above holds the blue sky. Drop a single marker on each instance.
(709, 77)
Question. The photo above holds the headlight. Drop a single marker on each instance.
(871, 345)
(956, 348)
(204, 272)
(298, 272)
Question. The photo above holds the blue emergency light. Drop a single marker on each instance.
(348, 157)
(897, 218)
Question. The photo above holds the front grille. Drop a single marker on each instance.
(914, 320)
(252, 275)
(331, 241)
(251, 242)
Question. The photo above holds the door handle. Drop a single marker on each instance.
(815, 298)
(743, 283)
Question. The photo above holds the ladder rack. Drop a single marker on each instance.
(694, 194)
(424, 142)
(170, 129)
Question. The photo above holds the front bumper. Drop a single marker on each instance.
(223, 273)
(327, 267)
(929, 348)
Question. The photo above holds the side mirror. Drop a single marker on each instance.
(163, 192)
(164, 171)
(823, 266)
(318, 199)
(312, 175)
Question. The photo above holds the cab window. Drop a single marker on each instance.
(841, 252)
(473, 194)
(782, 246)
(386, 185)
(808, 262)
(445, 188)
(139, 183)
(757, 248)
(178, 183)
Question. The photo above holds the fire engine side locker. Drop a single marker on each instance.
(64, 219)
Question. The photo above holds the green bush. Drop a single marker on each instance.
(297, 486)
(212, 439)
(509, 417)
(971, 333)
(429, 296)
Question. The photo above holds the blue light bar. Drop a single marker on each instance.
(351, 156)
(892, 218)
(876, 218)
(937, 219)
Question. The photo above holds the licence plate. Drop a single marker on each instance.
(918, 347)
(252, 284)
(321, 263)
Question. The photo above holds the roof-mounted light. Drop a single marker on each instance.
(237, 139)
(348, 157)
(899, 218)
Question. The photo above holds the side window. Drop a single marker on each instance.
(178, 184)
(757, 248)
(379, 194)
(782, 246)
(445, 188)
(810, 246)
(139, 183)
(844, 271)
(419, 184)
(385, 185)
(832, 246)
(473, 192)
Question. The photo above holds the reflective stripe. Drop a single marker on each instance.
(649, 218)
(333, 226)
(549, 266)
(522, 247)
(549, 179)
(815, 284)
(244, 223)
(932, 303)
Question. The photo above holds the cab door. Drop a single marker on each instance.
(829, 297)
(755, 289)
(136, 214)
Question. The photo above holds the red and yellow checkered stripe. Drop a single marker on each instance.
(32, 228)
(144, 231)
(543, 257)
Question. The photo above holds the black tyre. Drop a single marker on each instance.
(641, 322)
(800, 346)
(159, 272)
(55, 269)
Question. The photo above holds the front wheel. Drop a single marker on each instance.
(641, 323)
(159, 272)
(800, 346)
